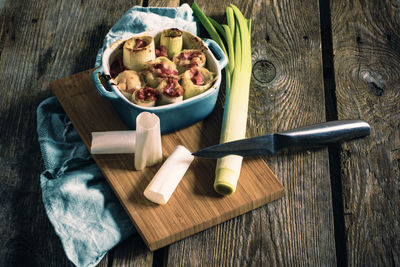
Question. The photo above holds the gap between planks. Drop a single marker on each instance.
(331, 114)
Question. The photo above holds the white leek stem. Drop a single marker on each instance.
(113, 142)
(148, 140)
(235, 112)
(172, 40)
(169, 175)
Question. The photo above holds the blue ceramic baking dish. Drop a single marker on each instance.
(173, 116)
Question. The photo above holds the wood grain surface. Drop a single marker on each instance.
(42, 41)
(366, 45)
(291, 41)
(287, 36)
(39, 42)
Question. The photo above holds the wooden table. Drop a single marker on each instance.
(314, 61)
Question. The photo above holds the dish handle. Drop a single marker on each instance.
(216, 50)
(99, 86)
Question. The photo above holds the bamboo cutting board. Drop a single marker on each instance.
(194, 206)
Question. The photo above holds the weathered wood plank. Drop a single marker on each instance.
(163, 3)
(366, 43)
(134, 250)
(298, 229)
(40, 41)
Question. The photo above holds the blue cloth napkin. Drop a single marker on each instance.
(84, 211)
(79, 203)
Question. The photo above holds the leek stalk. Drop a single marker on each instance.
(237, 35)
(172, 40)
(208, 25)
(169, 176)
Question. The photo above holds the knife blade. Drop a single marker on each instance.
(306, 137)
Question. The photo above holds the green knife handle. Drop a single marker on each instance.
(322, 134)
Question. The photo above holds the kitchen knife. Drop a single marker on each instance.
(307, 137)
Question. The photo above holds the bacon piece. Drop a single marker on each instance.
(171, 88)
(197, 77)
(140, 43)
(147, 93)
(161, 51)
(117, 67)
(189, 55)
(192, 65)
(190, 59)
(163, 71)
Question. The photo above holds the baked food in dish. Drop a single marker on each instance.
(128, 82)
(145, 97)
(196, 81)
(159, 69)
(170, 91)
(166, 68)
(189, 58)
(172, 40)
(137, 51)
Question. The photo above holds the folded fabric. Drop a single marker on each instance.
(84, 211)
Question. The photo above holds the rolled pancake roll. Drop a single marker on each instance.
(145, 97)
(128, 82)
(159, 69)
(189, 58)
(196, 81)
(137, 51)
(170, 91)
(172, 40)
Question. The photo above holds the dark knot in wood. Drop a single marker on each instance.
(264, 71)
(374, 80)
